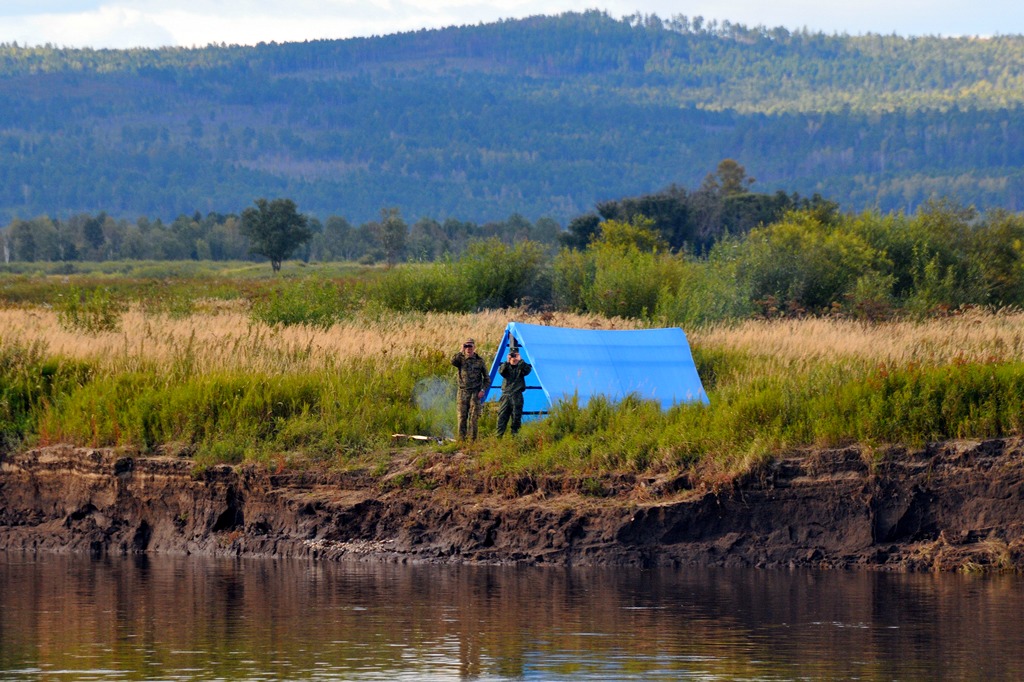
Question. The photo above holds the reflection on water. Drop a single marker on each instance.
(72, 617)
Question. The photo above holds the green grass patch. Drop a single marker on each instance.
(760, 407)
(311, 301)
(234, 416)
(30, 381)
(90, 312)
(753, 418)
(164, 286)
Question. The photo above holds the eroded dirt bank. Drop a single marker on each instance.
(952, 506)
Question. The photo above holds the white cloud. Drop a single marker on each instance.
(20, 8)
(130, 23)
(906, 17)
(104, 27)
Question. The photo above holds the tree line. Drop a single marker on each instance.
(223, 237)
(687, 220)
(813, 260)
(717, 253)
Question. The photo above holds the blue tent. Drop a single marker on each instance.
(654, 364)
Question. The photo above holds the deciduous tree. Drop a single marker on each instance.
(275, 229)
(393, 233)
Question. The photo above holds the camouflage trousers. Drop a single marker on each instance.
(469, 408)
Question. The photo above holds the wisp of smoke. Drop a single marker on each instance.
(435, 399)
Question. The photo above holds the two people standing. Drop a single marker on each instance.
(473, 381)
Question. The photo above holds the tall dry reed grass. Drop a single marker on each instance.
(224, 337)
(974, 336)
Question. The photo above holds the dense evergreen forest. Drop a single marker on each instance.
(546, 117)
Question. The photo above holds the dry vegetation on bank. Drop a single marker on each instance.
(223, 336)
(220, 385)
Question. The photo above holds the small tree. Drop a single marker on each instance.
(393, 234)
(637, 232)
(275, 229)
(733, 178)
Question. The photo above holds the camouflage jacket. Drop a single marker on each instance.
(473, 373)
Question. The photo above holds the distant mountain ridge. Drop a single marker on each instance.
(544, 116)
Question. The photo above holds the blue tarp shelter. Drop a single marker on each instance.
(654, 364)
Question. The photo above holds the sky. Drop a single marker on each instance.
(157, 23)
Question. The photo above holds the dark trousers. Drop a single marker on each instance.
(510, 407)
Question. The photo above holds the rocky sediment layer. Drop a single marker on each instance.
(953, 506)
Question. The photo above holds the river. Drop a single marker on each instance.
(185, 618)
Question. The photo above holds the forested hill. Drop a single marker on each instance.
(544, 117)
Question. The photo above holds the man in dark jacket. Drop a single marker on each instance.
(473, 376)
(513, 384)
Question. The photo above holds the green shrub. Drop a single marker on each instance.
(91, 312)
(628, 272)
(940, 286)
(871, 298)
(804, 263)
(309, 301)
(488, 275)
(437, 287)
(500, 276)
(627, 282)
(573, 278)
(705, 292)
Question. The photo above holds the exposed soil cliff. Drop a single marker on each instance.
(953, 506)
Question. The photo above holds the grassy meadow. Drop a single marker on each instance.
(227, 364)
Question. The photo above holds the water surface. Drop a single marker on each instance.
(77, 618)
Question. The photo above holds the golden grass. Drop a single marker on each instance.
(975, 336)
(225, 337)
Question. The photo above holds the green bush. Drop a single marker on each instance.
(437, 287)
(573, 277)
(488, 275)
(91, 312)
(939, 286)
(621, 273)
(309, 301)
(705, 292)
(505, 277)
(803, 263)
(627, 281)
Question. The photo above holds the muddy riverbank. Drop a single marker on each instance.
(951, 506)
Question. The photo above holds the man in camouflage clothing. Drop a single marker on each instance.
(473, 377)
(513, 384)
